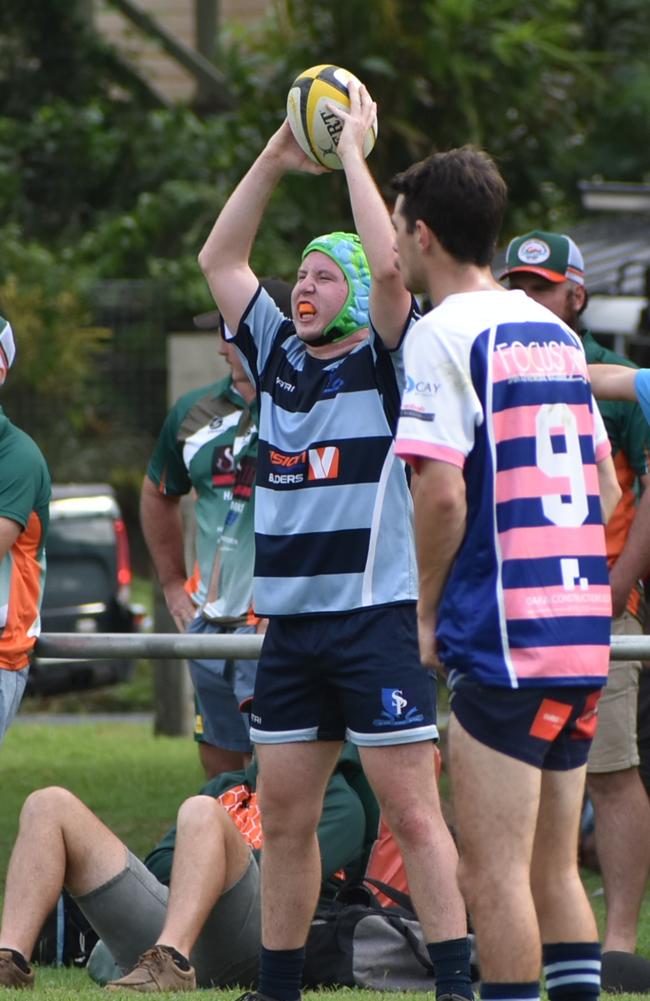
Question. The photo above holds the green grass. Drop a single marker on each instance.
(135, 782)
(131, 779)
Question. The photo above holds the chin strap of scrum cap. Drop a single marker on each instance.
(345, 250)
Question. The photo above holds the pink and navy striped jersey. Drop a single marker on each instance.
(498, 386)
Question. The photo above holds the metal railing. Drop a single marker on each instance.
(98, 646)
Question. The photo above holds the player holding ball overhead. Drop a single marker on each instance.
(335, 563)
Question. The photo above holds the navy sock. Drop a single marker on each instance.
(572, 970)
(450, 961)
(281, 973)
(494, 991)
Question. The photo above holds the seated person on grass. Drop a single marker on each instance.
(204, 929)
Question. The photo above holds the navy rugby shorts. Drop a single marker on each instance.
(355, 675)
(550, 728)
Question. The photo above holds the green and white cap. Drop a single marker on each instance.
(554, 256)
(346, 250)
(7, 348)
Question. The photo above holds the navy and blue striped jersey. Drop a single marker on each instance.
(333, 512)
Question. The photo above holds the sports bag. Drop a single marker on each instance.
(355, 942)
(66, 938)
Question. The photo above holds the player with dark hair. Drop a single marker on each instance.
(511, 466)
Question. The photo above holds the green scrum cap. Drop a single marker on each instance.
(345, 249)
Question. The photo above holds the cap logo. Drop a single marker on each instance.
(534, 252)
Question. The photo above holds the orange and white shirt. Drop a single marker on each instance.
(24, 498)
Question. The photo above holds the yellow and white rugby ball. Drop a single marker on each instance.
(314, 126)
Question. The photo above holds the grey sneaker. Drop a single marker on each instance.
(155, 972)
(11, 974)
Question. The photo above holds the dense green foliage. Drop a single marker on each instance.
(97, 184)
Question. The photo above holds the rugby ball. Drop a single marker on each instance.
(315, 127)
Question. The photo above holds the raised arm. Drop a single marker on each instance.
(224, 259)
(390, 302)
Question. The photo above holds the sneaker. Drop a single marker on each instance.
(154, 972)
(11, 974)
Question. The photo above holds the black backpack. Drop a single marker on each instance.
(66, 938)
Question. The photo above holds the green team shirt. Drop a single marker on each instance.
(24, 498)
(346, 832)
(209, 442)
(629, 436)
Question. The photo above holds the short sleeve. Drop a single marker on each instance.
(166, 468)
(602, 446)
(258, 332)
(440, 408)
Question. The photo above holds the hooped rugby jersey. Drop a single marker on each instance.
(498, 386)
(209, 441)
(333, 512)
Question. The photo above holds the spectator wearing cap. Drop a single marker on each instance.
(24, 506)
(208, 445)
(549, 267)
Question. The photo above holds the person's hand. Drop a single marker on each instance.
(356, 122)
(283, 148)
(181, 607)
(427, 643)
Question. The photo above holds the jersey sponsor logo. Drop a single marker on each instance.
(394, 709)
(287, 461)
(585, 725)
(550, 719)
(417, 413)
(421, 387)
(223, 466)
(321, 463)
(324, 463)
(334, 383)
(245, 479)
(550, 358)
(570, 568)
(282, 384)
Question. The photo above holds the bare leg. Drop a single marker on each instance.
(563, 910)
(496, 800)
(60, 842)
(622, 814)
(292, 784)
(217, 760)
(404, 780)
(209, 857)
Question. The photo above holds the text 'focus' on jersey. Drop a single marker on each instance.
(333, 513)
(498, 386)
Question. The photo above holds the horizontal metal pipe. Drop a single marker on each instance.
(102, 646)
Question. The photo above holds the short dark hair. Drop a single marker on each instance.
(461, 196)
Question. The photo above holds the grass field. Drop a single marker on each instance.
(134, 782)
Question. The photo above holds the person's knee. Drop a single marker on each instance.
(284, 816)
(605, 786)
(53, 803)
(199, 812)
